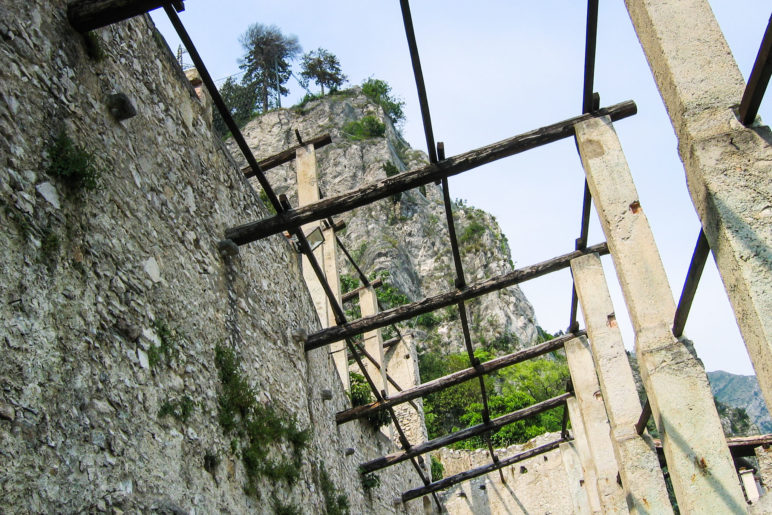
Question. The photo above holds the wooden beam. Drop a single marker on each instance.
(757, 83)
(739, 446)
(700, 256)
(412, 179)
(86, 15)
(455, 378)
(496, 423)
(354, 294)
(286, 156)
(479, 471)
(407, 311)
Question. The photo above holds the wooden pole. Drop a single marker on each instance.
(412, 179)
(479, 471)
(496, 423)
(86, 15)
(455, 378)
(286, 156)
(407, 311)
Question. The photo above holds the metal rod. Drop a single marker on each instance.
(640, 426)
(407, 311)
(419, 79)
(431, 172)
(479, 471)
(362, 276)
(222, 108)
(759, 79)
(589, 54)
(455, 378)
(700, 256)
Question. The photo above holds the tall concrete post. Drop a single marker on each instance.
(572, 462)
(697, 455)
(368, 303)
(402, 366)
(636, 457)
(326, 255)
(585, 456)
(728, 167)
(593, 413)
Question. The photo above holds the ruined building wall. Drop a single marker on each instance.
(91, 278)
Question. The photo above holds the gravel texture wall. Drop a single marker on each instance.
(114, 299)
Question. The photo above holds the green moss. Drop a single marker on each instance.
(72, 163)
(264, 197)
(169, 347)
(335, 503)
(256, 429)
(181, 408)
(367, 127)
(390, 169)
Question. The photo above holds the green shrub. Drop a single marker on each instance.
(72, 164)
(335, 503)
(181, 408)
(427, 320)
(360, 395)
(367, 127)
(370, 481)
(472, 232)
(170, 342)
(390, 169)
(438, 470)
(379, 92)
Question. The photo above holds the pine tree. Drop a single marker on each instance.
(266, 63)
(323, 68)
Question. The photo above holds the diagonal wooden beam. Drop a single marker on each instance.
(496, 423)
(455, 378)
(412, 179)
(479, 471)
(86, 15)
(407, 311)
(286, 156)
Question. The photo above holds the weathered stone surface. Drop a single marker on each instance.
(83, 431)
(682, 404)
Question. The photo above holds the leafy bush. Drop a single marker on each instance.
(380, 92)
(71, 163)
(360, 395)
(427, 320)
(370, 481)
(367, 127)
(438, 470)
(472, 232)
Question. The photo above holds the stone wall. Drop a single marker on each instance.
(535, 485)
(90, 279)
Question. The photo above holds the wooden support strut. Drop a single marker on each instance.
(86, 15)
(405, 181)
(353, 294)
(455, 378)
(496, 423)
(479, 471)
(757, 83)
(287, 155)
(407, 311)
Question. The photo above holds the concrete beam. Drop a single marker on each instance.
(697, 455)
(373, 341)
(593, 413)
(585, 457)
(337, 349)
(636, 457)
(728, 166)
(575, 478)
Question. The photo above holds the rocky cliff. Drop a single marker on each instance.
(404, 238)
(742, 392)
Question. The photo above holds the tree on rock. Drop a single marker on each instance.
(323, 68)
(266, 63)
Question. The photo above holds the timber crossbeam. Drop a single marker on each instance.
(455, 378)
(479, 471)
(353, 294)
(86, 15)
(285, 156)
(443, 441)
(407, 311)
(405, 181)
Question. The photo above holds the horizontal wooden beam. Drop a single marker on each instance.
(86, 15)
(739, 446)
(285, 156)
(407, 311)
(412, 179)
(455, 378)
(493, 425)
(353, 294)
(479, 471)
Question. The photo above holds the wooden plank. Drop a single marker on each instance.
(412, 179)
(407, 311)
(285, 156)
(455, 378)
(496, 423)
(86, 15)
(479, 471)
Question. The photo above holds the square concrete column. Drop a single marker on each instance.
(593, 413)
(585, 456)
(338, 349)
(764, 457)
(402, 366)
(368, 303)
(636, 457)
(728, 166)
(575, 478)
(697, 455)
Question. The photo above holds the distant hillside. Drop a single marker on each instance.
(742, 392)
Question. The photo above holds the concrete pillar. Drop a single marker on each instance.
(749, 485)
(575, 478)
(698, 458)
(728, 167)
(338, 349)
(639, 469)
(373, 342)
(593, 413)
(402, 366)
(583, 449)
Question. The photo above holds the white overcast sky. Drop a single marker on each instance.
(494, 69)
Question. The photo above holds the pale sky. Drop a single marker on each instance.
(499, 68)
